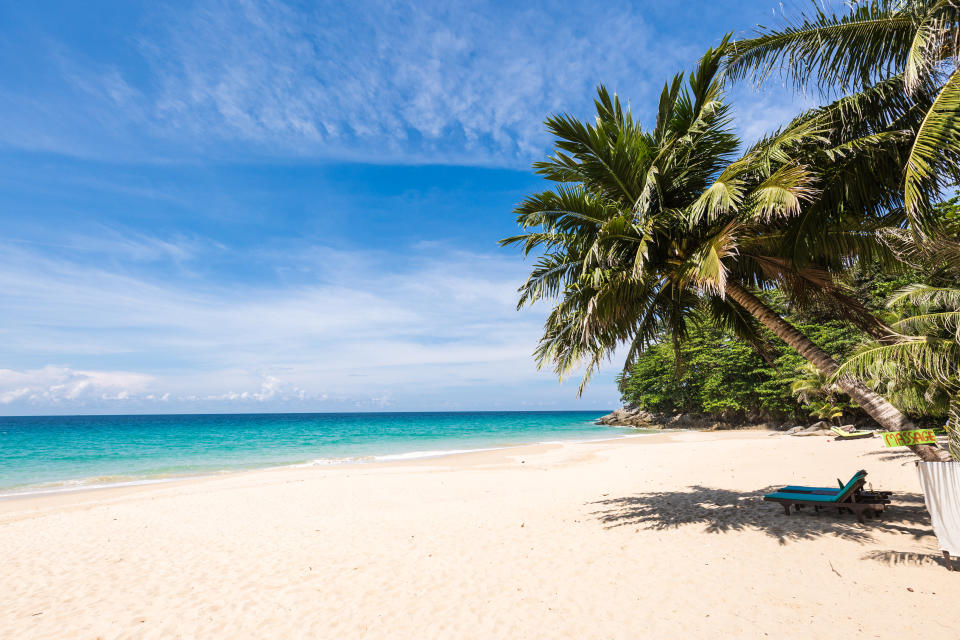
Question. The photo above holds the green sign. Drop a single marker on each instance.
(907, 438)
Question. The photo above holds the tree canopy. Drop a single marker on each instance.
(678, 233)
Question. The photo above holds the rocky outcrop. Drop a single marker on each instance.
(630, 416)
(825, 429)
(817, 429)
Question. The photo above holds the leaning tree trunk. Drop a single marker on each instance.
(874, 404)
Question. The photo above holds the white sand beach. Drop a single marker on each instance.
(659, 536)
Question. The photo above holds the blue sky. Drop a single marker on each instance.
(294, 206)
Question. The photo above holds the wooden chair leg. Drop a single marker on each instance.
(946, 556)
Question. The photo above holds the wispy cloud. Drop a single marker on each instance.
(455, 82)
(127, 245)
(461, 81)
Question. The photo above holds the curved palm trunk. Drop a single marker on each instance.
(888, 416)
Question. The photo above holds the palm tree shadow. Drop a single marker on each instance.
(911, 558)
(725, 511)
(894, 455)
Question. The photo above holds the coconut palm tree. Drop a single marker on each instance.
(645, 227)
(915, 43)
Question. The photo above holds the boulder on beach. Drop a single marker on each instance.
(813, 430)
(630, 417)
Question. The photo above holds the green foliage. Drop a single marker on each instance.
(719, 374)
(827, 410)
(948, 213)
(917, 366)
(651, 238)
(909, 47)
(919, 369)
(716, 373)
(713, 371)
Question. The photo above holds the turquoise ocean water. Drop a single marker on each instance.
(54, 453)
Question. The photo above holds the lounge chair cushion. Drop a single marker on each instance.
(803, 497)
(818, 494)
(800, 489)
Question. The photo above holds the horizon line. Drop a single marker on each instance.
(293, 413)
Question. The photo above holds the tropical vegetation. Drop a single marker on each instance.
(728, 380)
(715, 373)
(652, 234)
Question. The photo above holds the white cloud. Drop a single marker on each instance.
(53, 385)
(6, 397)
(116, 244)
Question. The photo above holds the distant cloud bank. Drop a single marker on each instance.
(348, 334)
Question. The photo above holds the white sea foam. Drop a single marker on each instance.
(416, 455)
(322, 462)
(68, 486)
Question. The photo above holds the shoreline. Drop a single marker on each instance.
(475, 459)
(74, 486)
(55, 454)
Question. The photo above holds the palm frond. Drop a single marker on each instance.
(828, 50)
(781, 194)
(925, 296)
(953, 428)
(938, 253)
(937, 142)
(935, 358)
(930, 322)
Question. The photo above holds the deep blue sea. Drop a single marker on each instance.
(61, 452)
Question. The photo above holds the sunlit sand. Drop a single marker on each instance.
(653, 536)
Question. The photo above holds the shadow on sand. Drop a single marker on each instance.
(723, 511)
(903, 456)
(910, 558)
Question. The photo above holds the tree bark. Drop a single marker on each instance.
(887, 415)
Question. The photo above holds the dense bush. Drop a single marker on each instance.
(719, 374)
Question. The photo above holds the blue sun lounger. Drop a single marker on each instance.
(831, 491)
(849, 497)
(828, 490)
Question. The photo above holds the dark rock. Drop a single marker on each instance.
(631, 416)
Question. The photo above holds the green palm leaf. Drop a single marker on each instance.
(937, 141)
(872, 39)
